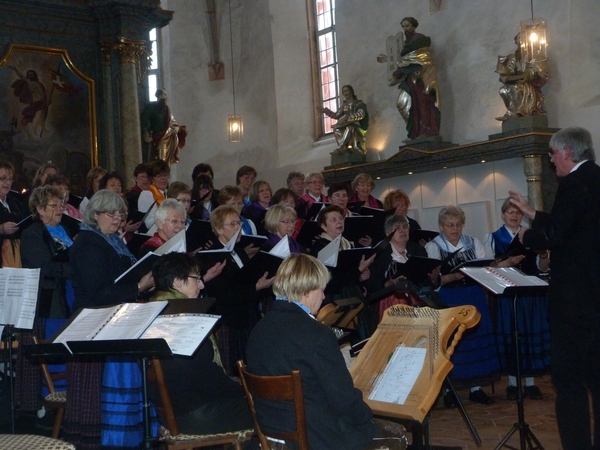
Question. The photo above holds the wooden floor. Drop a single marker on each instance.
(493, 422)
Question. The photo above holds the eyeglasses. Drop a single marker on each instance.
(176, 221)
(56, 205)
(513, 211)
(114, 215)
(198, 278)
(289, 221)
(235, 223)
(5, 178)
(185, 200)
(551, 153)
(402, 227)
(453, 225)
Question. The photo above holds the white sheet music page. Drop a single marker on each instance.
(183, 332)
(86, 325)
(130, 321)
(399, 376)
(18, 296)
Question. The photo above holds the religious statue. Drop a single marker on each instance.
(352, 123)
(411, 67)
(160, 129)
(522, 83)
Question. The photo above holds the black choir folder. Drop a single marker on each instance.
(183, 332)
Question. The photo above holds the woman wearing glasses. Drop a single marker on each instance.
(280, 221)
(476, 358)
(236, 298)
(169, 219)
(107, 396)
(532, 312)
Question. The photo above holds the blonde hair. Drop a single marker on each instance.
(300, 274)
(391, 197)
(362, 178)
(275, 214)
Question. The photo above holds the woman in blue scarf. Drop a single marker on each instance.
(97, 258)
(532, 312)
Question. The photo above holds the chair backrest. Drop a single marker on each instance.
(286, 388)
(165, 409)
(49, 377)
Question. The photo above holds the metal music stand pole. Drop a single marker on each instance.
(9, 373)
(526, 436)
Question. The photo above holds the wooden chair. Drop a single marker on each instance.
(278, 388)
(171, 436)
(55, 399)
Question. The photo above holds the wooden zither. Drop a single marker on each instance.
(404, 325)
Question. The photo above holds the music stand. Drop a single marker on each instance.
(139, 348)
(526, 436)
(9, 369)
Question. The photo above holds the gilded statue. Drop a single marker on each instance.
(411, 67)
(352, 123)
(160, 129)
(522, 83)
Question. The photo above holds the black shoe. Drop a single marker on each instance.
(450, 400)
(480, 397)
(533, 392)
(511, 393)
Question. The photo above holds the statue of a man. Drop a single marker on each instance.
(522, 83)
(416, 76)
(160, 129)
(352, 123)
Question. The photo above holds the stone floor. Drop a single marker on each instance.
(493, 422)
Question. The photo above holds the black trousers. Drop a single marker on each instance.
(575, 375)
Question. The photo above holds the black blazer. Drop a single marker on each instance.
(38, 251)
(572, 233)
(287, 338)
(94, 267)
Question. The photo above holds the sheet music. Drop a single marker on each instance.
(399, 376)
(183, 332)
(496, 279)
(329, 254)
(130, 321)
(175, 244)
(86, 325)
(282, 248)
(18, 296)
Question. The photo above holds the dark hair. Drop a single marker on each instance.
(57, 180)
(37, 180)
(202, 168)
(140, 168)
(201, 180)
(244, 170)
(110, 176)
(172, 266)
(41, 196)
(160, 91)
(281, 194)
(414, 22)
(157, 167)
(351, 90)
(338, 187)
(323, 214)
(92, 175)
(4, 164)
(176, 188)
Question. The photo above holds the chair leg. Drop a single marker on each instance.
(60, 412)
(238, 446)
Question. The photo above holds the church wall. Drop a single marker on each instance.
(467, 38)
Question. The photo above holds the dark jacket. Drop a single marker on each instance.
(18, 211)
(572, 233)
(39, 251)
(94, 267)
(336, 415)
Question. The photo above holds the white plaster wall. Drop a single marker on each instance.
(274, 88)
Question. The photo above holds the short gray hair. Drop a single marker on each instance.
(392, 222)
(451, 211)
(167, 205)
(103, 201)
(579, 140)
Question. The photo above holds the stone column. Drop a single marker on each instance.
(532, 166)
(109, 116)
(131, 138)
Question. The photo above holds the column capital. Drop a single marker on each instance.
(133, 51)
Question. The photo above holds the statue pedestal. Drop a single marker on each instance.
(528, 122)
(347, 159)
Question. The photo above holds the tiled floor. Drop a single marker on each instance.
(493, 422)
